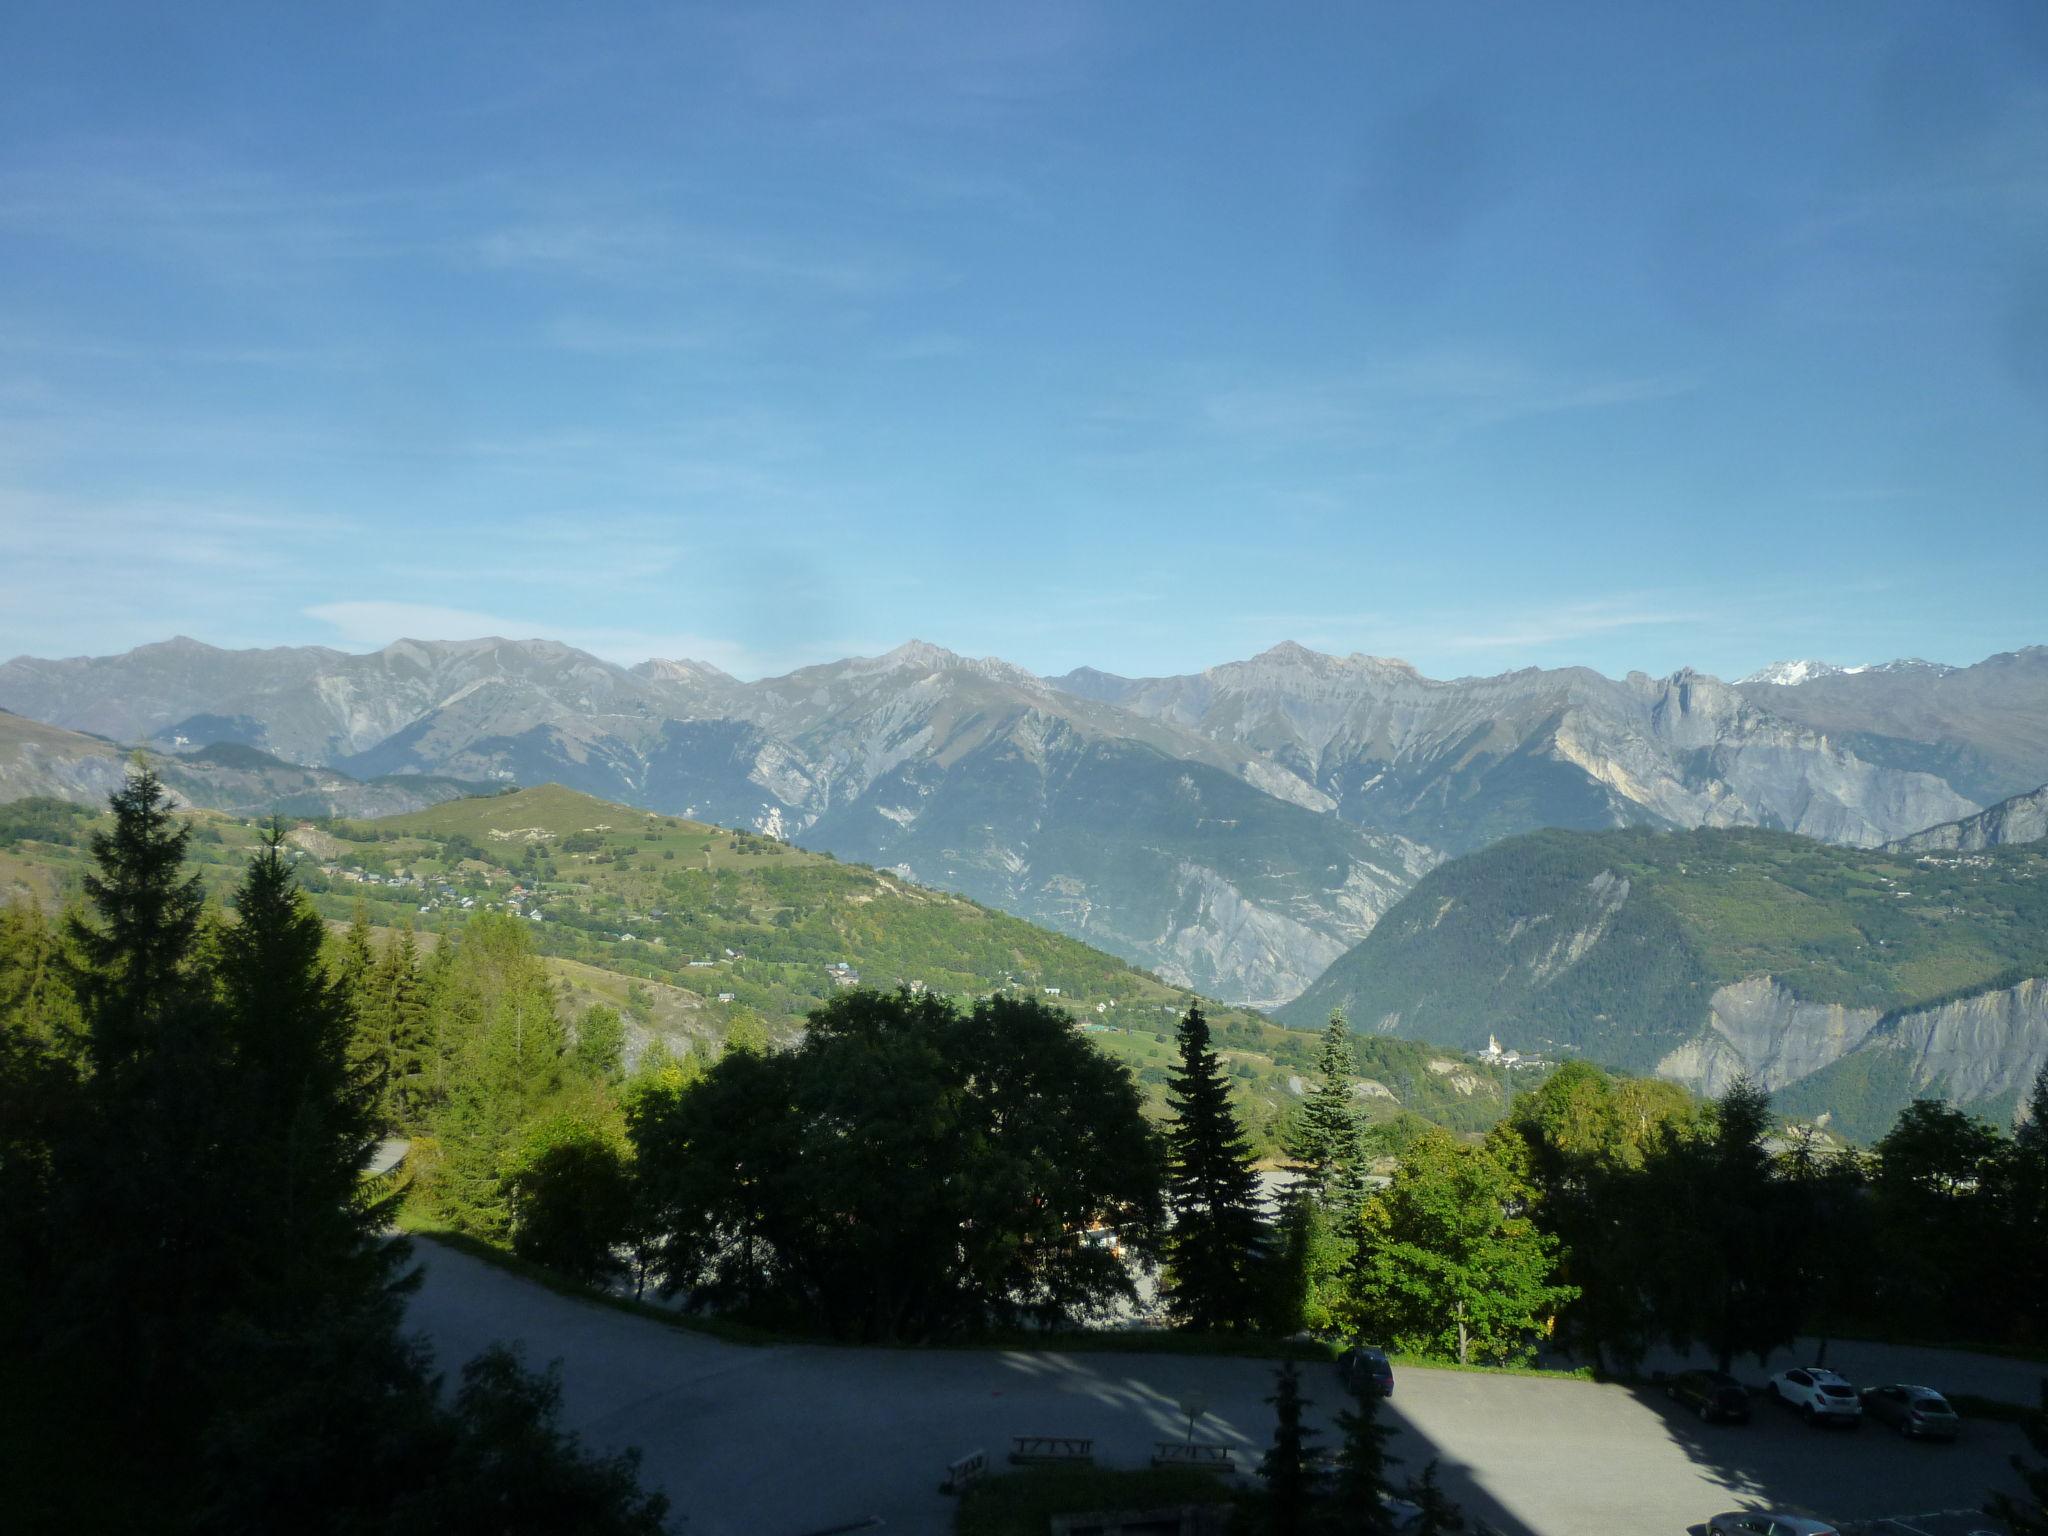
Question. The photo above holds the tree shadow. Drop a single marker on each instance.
(1848, 1476)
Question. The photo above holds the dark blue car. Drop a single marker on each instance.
(1366, 1369)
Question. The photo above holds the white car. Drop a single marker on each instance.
(1759, 1522)
(1818, 1393)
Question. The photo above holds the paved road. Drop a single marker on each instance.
(794, 1439)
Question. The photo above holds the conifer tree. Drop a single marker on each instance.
(1214, 1248)
(1327, 1143)
(356, 959)
(600, 1044)
(409, 1025)
(138, 945)
(304, 1114)
(1285, 1466)
(1362, 1462)
(1438, 1513)
(156, 1114)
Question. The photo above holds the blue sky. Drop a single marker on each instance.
(1135, 335)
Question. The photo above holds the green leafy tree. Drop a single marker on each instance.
(1936, 1171)
(572, 1199)
(1717, 1227)
(1585, 1137)
(1449, 1262)
(1284, 1467)
(42, 1100)
(907, 1171)
(1215, 1246)
(2025, 1214)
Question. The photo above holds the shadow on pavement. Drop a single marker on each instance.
(1858, 1476)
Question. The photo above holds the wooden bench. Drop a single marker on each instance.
(1051, 1451)
(964, 1471)
(1179, 1453)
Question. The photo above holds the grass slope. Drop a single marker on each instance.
(687, 927)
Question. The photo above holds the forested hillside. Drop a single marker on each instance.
(689, 931)
(1700, 953)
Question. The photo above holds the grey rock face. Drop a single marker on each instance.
(1979, 1048)
(2022, 819)
(1459, 764)
(1757, 1027)
(1982, 728)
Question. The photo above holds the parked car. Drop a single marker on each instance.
(1818, 1393)
(1710, 1394)
(1762, 1522)
(1918, 1413)
(1366, 1368)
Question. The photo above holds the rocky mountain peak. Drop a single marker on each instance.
(1790, 674)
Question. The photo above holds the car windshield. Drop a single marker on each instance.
(1835, 1389)
(1932, 1405)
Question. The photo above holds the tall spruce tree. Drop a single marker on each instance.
(157, 1117)
(137, 943)
(1327, 1144)
(304, 1113)
(1361, 1502)
(1215, 1247)
(1285, 1464)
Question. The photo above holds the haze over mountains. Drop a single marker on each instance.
(1236, 830)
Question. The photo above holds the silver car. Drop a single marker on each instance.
(1918, 1413)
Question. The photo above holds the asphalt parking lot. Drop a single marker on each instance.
(793, 1439)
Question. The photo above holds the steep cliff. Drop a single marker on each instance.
(2022, 819)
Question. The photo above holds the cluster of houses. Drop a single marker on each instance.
(1494, 1056)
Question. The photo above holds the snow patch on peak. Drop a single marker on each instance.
(1790, 674)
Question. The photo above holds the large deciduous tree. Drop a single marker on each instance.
(907, 1171)
(1449, 1262)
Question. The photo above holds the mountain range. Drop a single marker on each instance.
(1236, 830)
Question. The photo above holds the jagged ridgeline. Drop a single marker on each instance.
(1848, 980)
(688, 928)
